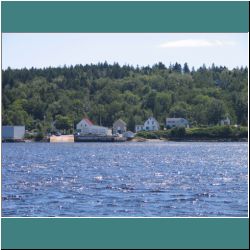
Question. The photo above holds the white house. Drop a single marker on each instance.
(151, 124)
(225, 122)
(85, 126)
(176, 122)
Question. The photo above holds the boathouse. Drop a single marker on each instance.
(119, 127)
(86, 127)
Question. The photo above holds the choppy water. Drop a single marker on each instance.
(162, 179)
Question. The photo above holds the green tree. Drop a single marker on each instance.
(63, 122)
(216, 111)
(105, 92)
(186, 69)
(131, 123)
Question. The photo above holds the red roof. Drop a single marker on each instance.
(88, 121)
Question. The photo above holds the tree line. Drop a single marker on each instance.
(42, 99)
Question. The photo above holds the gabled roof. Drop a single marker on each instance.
(151, 118)
(175, 119)
(121, 121)
(90, 123)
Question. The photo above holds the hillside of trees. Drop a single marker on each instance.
(39, 98)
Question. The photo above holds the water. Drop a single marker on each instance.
(149, 179)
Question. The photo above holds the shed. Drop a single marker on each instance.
(13, 132)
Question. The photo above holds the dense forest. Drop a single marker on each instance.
(43, 98)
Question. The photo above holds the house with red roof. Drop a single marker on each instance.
(86, 127)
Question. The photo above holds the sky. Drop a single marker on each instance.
(41, 50)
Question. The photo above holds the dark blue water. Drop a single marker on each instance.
(162, 179)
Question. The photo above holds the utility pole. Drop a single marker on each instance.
(100, 117)
(44, 123)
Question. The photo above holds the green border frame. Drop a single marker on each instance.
(26, 233)
(125, 233)
(125, 16)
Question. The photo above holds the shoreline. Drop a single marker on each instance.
(190, 140)
(65, 139)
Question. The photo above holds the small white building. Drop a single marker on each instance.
(151, 124)
(138, 128)
(119, 127)
(86, 127)
(176, 122)
(224, 122)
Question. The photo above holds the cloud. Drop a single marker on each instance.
(195, 43)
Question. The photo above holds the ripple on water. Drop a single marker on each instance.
(125, 179)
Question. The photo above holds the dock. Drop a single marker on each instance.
(86, 138)
(62, 138)
(95, 138)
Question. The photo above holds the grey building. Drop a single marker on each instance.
(119, 127)
(176, 122)
(13, 132)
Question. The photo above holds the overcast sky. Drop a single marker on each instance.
(57, 49)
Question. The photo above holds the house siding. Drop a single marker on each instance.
(176, 122)
(151, 124)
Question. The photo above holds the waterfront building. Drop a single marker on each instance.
(151, 124)
(86, 127)
(176, 122)
(119, 127)
(13, 132)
